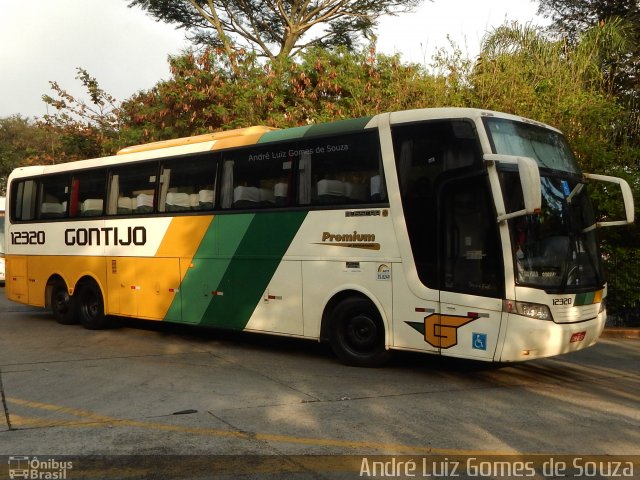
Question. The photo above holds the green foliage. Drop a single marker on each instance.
(21, 142)
(619, 60)
(75, 131)
(82, 129)
(572, 18)
(205, 94)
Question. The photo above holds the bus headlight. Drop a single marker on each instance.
(534, 310)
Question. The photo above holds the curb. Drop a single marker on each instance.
(621, 332)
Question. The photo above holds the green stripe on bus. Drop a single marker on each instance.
(286, 134)
(322, 129)
(223, 289)
(584, 299)
(209, 264)
(336, 128)
(252, 268)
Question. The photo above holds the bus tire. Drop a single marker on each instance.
(63, 304)
(90, 306)
(357, 335)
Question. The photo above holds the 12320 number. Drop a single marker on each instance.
(34, 237)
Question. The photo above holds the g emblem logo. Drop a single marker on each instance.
(441, 331)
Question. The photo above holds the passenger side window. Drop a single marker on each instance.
(132, 189)
(87, 194)
(53, 196)
(257, 178)
(339, 170)
(188, 184)
(23, 201)
(343, 170)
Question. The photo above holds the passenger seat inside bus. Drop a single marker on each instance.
(375, 188)
(331, 191)
(125, 205)
(52, 210)
(178, 202)
(280, 193)
(355, 192)
(144, 203)
(252, 197)
(205, 199)
(91, 207)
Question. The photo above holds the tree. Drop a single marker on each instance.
(82, 129)
(274, 28)
(571, 18)
(21, 143)
(522, 70)
(203, 95)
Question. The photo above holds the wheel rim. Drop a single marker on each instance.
(90, 305)
(362, 333)
(61, 301)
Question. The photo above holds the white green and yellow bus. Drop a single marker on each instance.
(458, 232)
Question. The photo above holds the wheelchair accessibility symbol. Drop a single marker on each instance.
(479, 341)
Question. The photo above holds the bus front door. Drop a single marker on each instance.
(471, 270)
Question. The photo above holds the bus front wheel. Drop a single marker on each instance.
(62, 304)
(357, 334)
(91, 306)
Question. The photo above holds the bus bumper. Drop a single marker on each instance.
(527, 338)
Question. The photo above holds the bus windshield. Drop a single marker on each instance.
(555, 250)
(547, 147)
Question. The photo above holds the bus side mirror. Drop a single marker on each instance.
(529, 174)
(627, 198)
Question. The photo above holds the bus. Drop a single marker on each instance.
(2, 268)
(459, 232)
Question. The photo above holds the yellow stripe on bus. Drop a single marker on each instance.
(184, 236)
(224, 139)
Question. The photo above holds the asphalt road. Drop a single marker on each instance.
(153, 389)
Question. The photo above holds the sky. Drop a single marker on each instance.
(126, 50)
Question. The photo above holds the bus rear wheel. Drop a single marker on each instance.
(63, 304)
(357, 334)
(90, 307)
